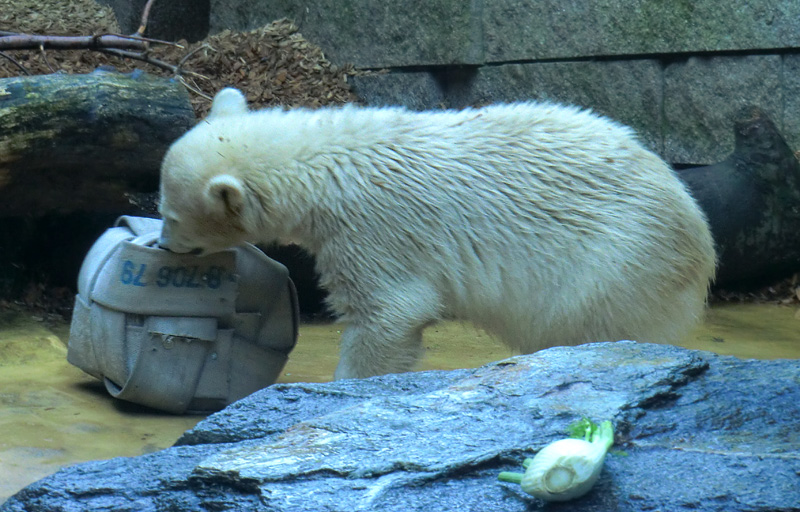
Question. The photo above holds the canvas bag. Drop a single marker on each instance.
(179, 332)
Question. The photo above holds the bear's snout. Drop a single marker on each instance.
(165, 241)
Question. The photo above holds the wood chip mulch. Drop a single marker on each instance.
(272, 65)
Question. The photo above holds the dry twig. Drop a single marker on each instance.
(145, 16)
(15, 62)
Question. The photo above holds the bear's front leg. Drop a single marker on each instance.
(370, 350)
(387, 337)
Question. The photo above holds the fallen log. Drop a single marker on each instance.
(752, 200)
(81, 142)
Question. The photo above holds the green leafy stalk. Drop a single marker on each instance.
(510, 476)
(582, 429)
(603, 435)
(514, 478)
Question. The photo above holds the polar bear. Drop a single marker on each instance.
(539, 223)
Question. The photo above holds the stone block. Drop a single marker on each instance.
(790, 128)
(627, 91)
(549, 29)
(366, 33)
(702, 95)
(417, 90)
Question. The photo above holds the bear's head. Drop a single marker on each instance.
(203, 201)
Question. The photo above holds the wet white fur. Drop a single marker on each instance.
(542, 224)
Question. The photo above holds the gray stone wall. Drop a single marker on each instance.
(676, 71)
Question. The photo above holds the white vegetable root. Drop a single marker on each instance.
(565, 469)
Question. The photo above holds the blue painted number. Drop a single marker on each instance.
(189, 277)
(132, 275)
(177, 277)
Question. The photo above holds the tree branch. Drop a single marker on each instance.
(99, 42)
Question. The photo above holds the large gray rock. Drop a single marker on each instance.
(699, 431)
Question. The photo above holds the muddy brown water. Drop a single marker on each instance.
(53, 415)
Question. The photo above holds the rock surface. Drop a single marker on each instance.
(693, 431)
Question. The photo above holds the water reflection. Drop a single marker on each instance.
(750, 331)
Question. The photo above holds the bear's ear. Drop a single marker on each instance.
(228, 102)
(227, 192)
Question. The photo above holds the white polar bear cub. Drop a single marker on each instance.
(542, 224)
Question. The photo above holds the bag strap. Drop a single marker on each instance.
(139, 225)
